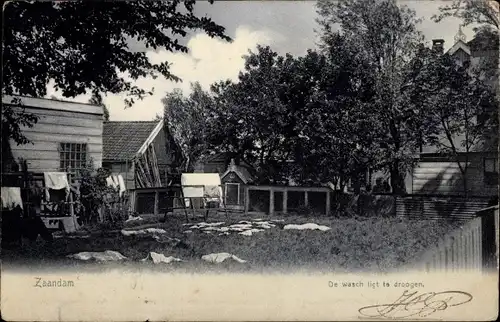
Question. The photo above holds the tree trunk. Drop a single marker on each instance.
(397, 179)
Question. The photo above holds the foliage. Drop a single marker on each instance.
(335, 131)
(458, 106)
(384, 36)
(483, 12)
(14, 116)
(85, 46)
(252, 118)
(187, 122)
(97, 100)
(94, 191)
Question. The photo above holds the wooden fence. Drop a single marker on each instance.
(474, 246)
(284, 199)
(439, 207)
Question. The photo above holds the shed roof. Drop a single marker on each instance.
(240, 171)
(122, 140)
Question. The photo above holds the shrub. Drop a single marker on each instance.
(95, 195)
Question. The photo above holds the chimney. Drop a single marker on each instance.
(438, 45)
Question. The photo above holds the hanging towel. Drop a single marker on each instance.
(121, 184)
(11, 197)
(56, 181)
(116, 183)
(110, 182)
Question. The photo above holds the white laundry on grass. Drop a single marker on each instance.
(109, 255)
(308, 226)
(143, 231)
(132, 218)
(157, 258)
(250, 232)
(204, 224)
(243, 227)
(218, 258)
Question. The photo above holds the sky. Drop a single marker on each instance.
(286, 26)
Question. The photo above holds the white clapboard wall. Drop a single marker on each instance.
(59, 122)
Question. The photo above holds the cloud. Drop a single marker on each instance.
(209, 60)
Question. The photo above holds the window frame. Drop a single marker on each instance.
(73, 156)
(490, 177)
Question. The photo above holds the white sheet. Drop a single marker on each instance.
(309, 226)
(11, 197)
(202, 185)
(109, 255)
(160, 258)
(221, 257)
(56, 181)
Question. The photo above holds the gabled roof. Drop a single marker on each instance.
(240, 171)
(52, 104)
(459, 45)
(123, 140)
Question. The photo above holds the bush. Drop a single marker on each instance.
(95, 196)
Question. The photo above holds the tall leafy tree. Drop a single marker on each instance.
(334, 141)
(186, 119)
(453, 98)
(483, 12)
(251, 118)
(85, 46)
(386, 38)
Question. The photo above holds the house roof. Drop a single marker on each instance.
(459, 45)
(52, 104)
(123, 140)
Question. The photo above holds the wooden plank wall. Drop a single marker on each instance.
(55, 127)
(438, 177)
(426, 207)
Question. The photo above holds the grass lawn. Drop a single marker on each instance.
(352, 244)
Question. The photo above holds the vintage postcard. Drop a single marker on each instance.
(250, 160)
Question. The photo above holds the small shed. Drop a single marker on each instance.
(234, 180)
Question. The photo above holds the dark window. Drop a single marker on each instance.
(73, 157)
(491, 171)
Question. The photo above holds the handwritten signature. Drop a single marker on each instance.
(413, 304)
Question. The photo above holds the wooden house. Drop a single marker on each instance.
(144, 153)
(66, 136)
(436, 174)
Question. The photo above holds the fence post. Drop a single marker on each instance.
(285, 201)
(247, 199)
(306, 198)
(495, 213)
(271, 202)
(156, 205)
(327, 207)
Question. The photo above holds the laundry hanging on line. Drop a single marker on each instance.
(56, 181)
(11, 197)
(117, 182)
